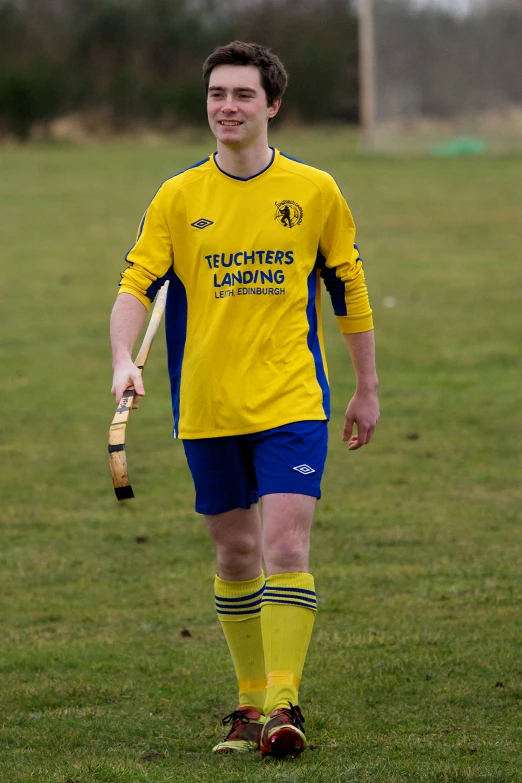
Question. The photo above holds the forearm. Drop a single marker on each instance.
(127, 319)
(363, 408)
(362, 352)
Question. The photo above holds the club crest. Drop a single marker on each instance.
(289, 213)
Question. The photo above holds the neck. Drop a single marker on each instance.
(243, 163)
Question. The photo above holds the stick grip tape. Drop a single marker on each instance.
(124, 493)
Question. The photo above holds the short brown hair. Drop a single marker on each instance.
(274, 78)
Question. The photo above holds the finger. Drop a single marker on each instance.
(348, 427)
(117, 390)
(137, 382)
(361, 439)
(354, 443)
(135, 400)
(125, 397)
(119, 387)
(362, 435)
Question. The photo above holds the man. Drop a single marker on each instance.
(244, 237)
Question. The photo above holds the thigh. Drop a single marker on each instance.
(223, 474)
(287, 522)
(291, 458)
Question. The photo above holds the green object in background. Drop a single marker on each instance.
(464, 145)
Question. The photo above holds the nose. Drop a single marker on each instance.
(229, 104)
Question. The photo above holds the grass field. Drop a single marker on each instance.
(415, 672)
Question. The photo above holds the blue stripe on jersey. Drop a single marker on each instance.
(193, 166)
(313, 341)
(176, 329)
(243, 597)
(284, 155)
(334, 285)
(154, 287)
(143, 221)
(140, 230)
(304, 163)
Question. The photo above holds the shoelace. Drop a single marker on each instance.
(295, 715)
(235, 718)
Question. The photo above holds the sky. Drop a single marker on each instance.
(458, 6)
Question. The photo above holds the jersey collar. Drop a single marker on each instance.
(275, 155)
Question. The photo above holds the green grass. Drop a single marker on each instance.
(414, 673)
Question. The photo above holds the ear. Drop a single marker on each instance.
(274, 108)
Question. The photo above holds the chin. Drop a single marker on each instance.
(228, 138)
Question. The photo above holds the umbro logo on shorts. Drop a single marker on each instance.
(304, 469)
(202, 223)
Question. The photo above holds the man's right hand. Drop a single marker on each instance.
(126, 374)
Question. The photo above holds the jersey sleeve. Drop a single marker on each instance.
(341, 265)
(150, 259)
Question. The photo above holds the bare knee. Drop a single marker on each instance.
(286, 553)
(237, 540)
(238, 556)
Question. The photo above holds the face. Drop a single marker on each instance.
(237, 105)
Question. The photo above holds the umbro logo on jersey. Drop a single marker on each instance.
(304, 469)
(289, 213)
(202, 223)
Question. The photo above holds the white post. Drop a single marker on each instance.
(367, 74)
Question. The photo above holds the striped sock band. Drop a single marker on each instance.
(238, 600)
(290, 590)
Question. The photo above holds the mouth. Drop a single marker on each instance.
(230, 123)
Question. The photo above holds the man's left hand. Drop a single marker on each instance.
(363, 411)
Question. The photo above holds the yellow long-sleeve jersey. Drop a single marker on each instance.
(243, 316)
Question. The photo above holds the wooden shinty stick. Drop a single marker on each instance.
(118, 428)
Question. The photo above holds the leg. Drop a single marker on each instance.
(226, 494)
(239, 587)
(289, 463)
(287, 617)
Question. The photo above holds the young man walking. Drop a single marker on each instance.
(245, 237)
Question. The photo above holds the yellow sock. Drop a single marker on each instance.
(238, 605)
(287, 619)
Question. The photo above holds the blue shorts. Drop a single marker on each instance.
(234, 472)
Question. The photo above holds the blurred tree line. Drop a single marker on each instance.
(140, 60)
(438, 64)
(130, 63)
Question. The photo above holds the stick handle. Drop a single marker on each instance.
(152, 328)
(127, 401)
